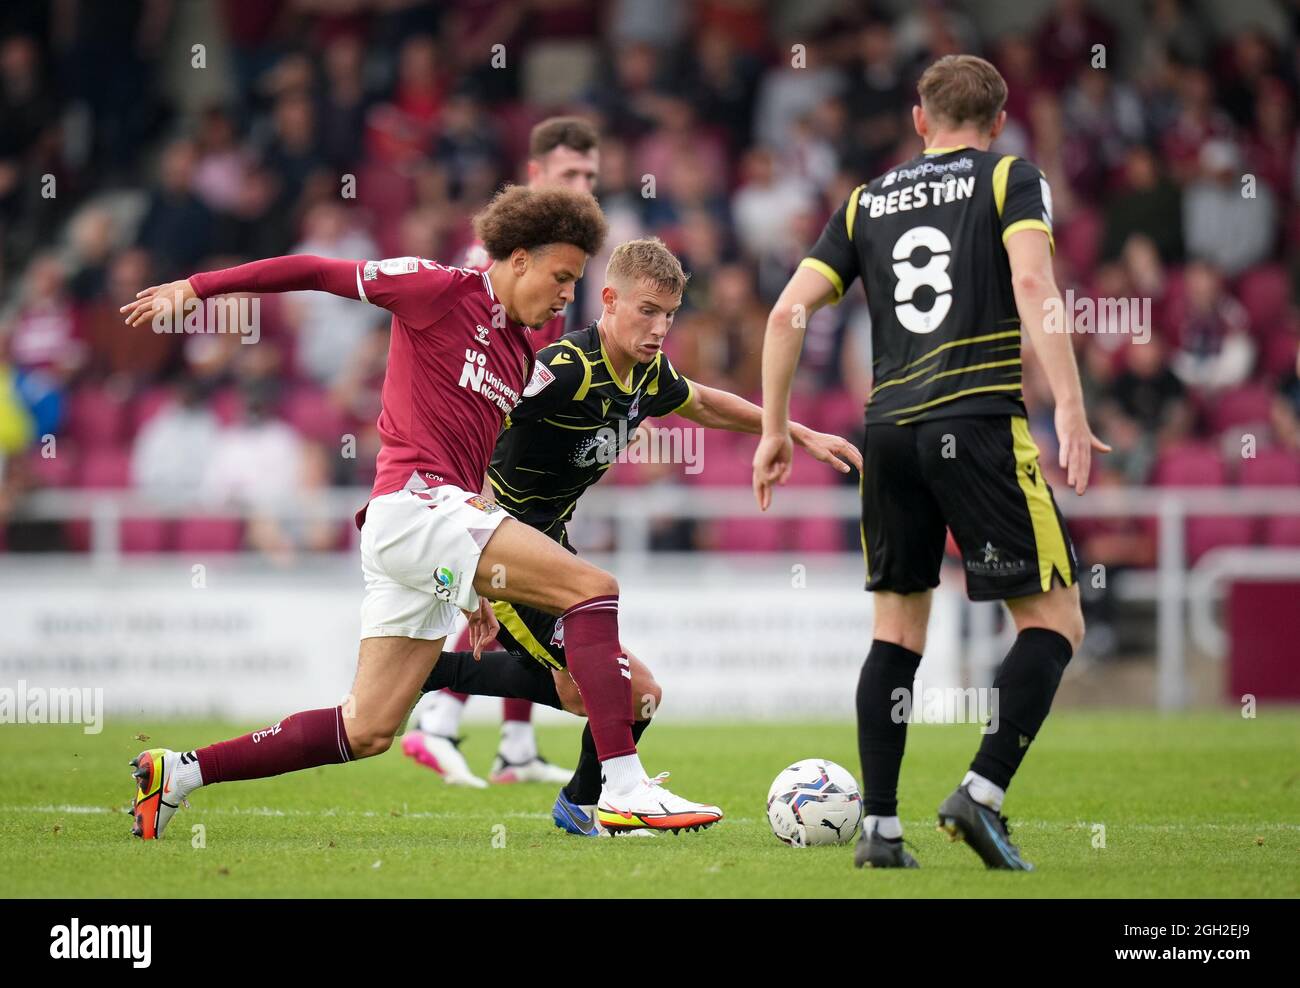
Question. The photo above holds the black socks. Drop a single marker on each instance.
(881, 740)
(1025, 686)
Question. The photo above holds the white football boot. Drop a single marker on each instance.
(442, 754)
(158, 795)
(536, 769)
(651, 806)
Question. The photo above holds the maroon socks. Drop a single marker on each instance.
(302, 740)
(601, 670)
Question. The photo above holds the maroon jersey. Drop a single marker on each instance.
(476, 257)
(452, 377)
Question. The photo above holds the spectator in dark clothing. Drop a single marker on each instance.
(344, 104)
(177, 227)
(1150, 204)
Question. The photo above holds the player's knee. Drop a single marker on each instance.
(1057, 611)
(1066, 617)
(587, 583)
(646, 700)
(1072, 627)
(366, 742)
(570, 697)
(600, 584)
(572, 703)
(904, 635)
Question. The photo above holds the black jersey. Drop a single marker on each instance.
(574, 419)
(926, 238)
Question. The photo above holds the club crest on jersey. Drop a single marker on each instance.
(482, 503)
(636, 404)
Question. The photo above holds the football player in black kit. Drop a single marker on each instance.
(589, 392)
(954, 250)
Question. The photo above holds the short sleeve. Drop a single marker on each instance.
(1023, 198)
(409, 287)
(671, 390)
(834, 255)
(559, 374)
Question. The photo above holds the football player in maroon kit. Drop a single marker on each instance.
(431, 544)
(562, 152)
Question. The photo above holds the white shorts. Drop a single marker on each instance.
(419, 553)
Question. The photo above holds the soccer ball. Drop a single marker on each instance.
(814, 801)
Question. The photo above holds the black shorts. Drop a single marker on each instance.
(977, 476)
(529, 633)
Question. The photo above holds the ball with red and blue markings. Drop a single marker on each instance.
(814, 801)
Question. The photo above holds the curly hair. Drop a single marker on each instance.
(519, 216)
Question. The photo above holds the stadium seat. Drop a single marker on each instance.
(748, 534)
(1204, 534)
(1201, 465)
(1080, 239)
(1270, 467)
(311, 411)
(146, 534)
(1190, 465)
(1283, 530)
(732, 467)
(59, 470)
(106, 466)
(820, 535)
(626, 475)
(841, 412)
(1280, 349)
(1247, 405)
(1274, 467)
(96, 417)
(1265, 292)
(209, 535)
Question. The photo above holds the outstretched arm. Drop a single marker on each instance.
(295, 272)
(716, 409)
(807, 291)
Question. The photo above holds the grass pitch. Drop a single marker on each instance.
(1193, 805)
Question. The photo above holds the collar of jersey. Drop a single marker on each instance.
(625, 388)
(959, 147)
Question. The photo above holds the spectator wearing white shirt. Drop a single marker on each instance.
(330, 328)
(173, 449)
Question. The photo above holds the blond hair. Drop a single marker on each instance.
(649, 260)
(962, 89)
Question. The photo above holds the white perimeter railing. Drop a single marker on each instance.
(632, 510)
